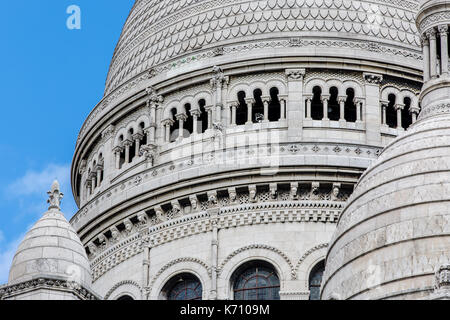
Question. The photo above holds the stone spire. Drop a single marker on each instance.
(55, 196)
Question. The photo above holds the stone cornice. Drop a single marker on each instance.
(7, 292)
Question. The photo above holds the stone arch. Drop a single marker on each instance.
(280, 85)
(127, 287)
(121, 132)
(174, 104)
(143, 118)
(387, 91)
(359, 91)
(316, 83)
(308, 261)
(334, 83)
(202, 95)
(259, 85)
(193, 266)
(237, 258)
(409, 94)
(233, 92)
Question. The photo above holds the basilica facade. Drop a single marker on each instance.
(230, 138)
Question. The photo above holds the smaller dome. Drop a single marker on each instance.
(51, 249)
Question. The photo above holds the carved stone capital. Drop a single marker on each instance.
(373, 78)
(108, 132)
(295, 74)
(181, 117)
(250, 101)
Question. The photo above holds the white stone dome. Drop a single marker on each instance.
(165, 34)
(395, 229)
(51, 249)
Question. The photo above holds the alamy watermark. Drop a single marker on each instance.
(74, 20)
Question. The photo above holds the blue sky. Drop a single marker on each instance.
(51, 78)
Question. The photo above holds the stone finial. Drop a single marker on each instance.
(55, 196)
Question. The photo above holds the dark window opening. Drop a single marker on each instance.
(333, 105)
(274, 106)
(317, 104)
(242, 111)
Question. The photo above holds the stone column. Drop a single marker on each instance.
(433, 54)
(137, 137)
(117, 151)
(108, 136)
(443, 32)
(250, 102)
(266, 102)
(372, 108)
(325, 99)
(93, 180)
(399, 108)
(195, 115)
(167, 124)
(358, 104)
(426, 57)
(214, 213)
(308, 107)
(88, 188)
(209, 110)
(283, 100)
(181, 119)
(295, 109)
(234, 106)
(342, 100)
(127, 145)
(99, 174)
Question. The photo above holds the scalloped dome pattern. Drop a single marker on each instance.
(158, 31)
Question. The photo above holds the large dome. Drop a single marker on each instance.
(51, 249)
(160, 35)
(395, 230)
(393, 238)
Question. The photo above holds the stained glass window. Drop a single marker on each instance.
(257, 282)
(315, 281)
(185, 287)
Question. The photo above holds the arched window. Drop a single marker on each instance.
(94, 181)
(333, 104)
(122, 153)
(350, 106)
(141, 130)
(315, 280)
(101, 162)
(125, 298)
(317, 104)
(256, 281)
(203, 125)
(391, 113)
(258, 107)
(189, 124)
(406, 114)
(133, 145)
(183, 287)
(175, 126)
(242, 111)
(274, 106)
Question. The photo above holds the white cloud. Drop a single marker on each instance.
(34, 182)
(6, 257)
(30, 191)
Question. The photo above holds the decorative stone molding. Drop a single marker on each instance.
(373, 78)
(120, 284)
(258, 246)
(295, 74)
(434, 110)
(307, 254)
(75, 288)
(177, 261)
